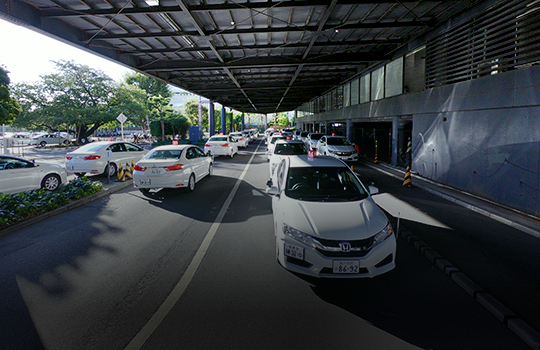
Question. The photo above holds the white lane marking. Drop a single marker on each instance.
(146, 332)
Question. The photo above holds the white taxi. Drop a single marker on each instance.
(326, 223)
(221, 145)
(19, 175)
(285, 148)
(172, 166)
(337, 146)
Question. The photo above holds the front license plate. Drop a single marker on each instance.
(145, 181)
(294, 251)
(346, 266)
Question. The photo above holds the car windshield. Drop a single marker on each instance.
(289, 149)
(164, 154)
(315, 136)
(338, 141)
(324, 184)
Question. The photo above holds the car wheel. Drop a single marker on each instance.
(232, 153)
(80, 174)
(66, 142)
(191, 183)
(110, 169)
(211, 169)
(51, 182)
(43, 143)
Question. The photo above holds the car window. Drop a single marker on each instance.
(90, 148)
(11, 163)
(289, 149)
(116, 147)
(190, 153)
(338, 141)
(132, 148)
(218, 139)
(164, 154)
(198, 152)
(328, 184)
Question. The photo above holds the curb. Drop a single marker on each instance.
(527, 333)
(69, 206)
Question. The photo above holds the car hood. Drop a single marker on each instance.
(336, 220)
(341, 148)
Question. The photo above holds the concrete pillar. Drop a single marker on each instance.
(211, 119)
(223, 120)
(395, 128)
(348, 129)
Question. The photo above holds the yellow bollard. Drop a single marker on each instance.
(120, 173)
(407, 182)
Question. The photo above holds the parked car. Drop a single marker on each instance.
(48, 139)
(326, 222)
(312, 139)
(337, 146)
(172, 166)
(221, 145)
(242, 140)
(285, 148)
(92, 157)
(19, 175)
(17, 139)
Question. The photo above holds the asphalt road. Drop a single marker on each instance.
(198, 271)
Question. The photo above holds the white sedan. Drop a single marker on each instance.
(92, 157)
(19, 175)
(48, 139)
(326, 223)
(172, 166)
(243, 140)
(337, 146)
(221, 145)
(285, 148)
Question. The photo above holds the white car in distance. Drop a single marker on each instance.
(326, 223)
(221, 145)
(19, 175)
(92, 157)
(337, 146)
(271, 142)
(172, 166)
(285, 148)
(312, 139)
(243, 140)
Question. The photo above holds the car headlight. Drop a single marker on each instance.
(331, 151)
(383, 235)
(299, 235)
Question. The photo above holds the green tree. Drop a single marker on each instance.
(76, 98)
(192, 114)
(133, 102)
(152, 86)
(9, 108)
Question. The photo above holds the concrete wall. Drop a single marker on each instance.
(482, 136)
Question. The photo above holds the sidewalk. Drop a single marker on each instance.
(495, 264)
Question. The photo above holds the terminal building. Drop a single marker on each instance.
(467, 96)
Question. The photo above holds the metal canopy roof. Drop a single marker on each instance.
(252, 55)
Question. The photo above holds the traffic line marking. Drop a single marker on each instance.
(148, 329)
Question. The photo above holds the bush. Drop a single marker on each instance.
(22, 206)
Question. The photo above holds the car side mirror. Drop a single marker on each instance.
(373, 190)
(272, 190)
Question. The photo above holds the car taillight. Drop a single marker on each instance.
(241, 138)
(92, 157)
(69, 157)
(139, 168)
(225, 145)
(207, 145)
(175, 167)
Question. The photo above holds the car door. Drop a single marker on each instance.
(18, 176)
(202, 162)
(133, 153)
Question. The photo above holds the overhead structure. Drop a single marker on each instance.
(251, 55)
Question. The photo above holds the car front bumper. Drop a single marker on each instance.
(380, 259)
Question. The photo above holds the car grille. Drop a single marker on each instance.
(332, 248)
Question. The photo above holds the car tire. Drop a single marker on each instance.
(210, 170)
(232, 154)
(110, 169)
(43, 144)
(191, 183)
(51, 182)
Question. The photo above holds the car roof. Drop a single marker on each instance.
(304, 160)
